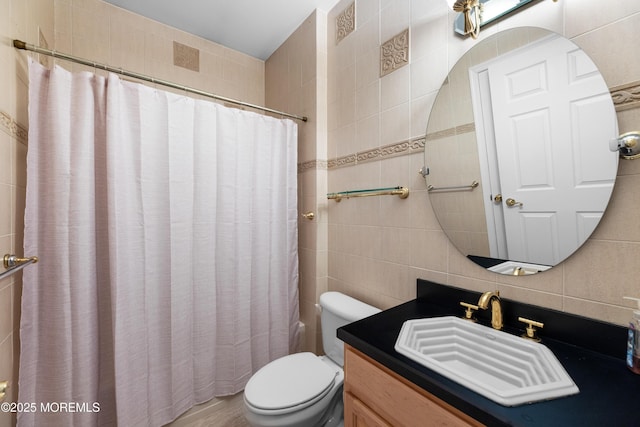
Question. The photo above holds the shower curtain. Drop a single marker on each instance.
(166, 229)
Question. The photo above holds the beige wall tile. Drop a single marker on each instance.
(6, 318)
(126, 41)
(605, 312)
(6, 374)
(394, 125)
(6, 209)
(23, 20)
(615, 222)
(367, 130)
(368, 101)
(371, 248)
(609, 47)
(395, 88)
(91, 33)
(395, 16)
(585, 15)
(98, 31)
(291, 76)
(529, 296)
(420, 107)
(6, 159)
(590, 279)
(19, 169)
(598, 271)
(427, 75)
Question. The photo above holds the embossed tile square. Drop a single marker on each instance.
(186, 56)
(394, 53)
(346, 22)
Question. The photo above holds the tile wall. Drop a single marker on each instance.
(296, 80)
(378, 246)
(24, 20)
(101, 32)
(364, 131)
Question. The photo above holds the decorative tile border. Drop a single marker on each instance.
(624, 98)
(394, 53)
(446, 133)
(627, 96)
(392, 150)
(401, 148)
(349, 160)
(346, 22)
(312, 165)
(8, 125)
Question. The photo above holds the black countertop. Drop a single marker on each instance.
(591, 352)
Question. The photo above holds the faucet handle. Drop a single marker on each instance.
(468, 313)
(531, 330)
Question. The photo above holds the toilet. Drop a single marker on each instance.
(302, 389)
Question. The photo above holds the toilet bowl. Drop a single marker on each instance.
(294, 391)
(302, 389)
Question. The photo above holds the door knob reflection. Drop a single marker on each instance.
(511, 203)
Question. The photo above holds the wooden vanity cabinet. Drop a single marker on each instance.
(374, 396)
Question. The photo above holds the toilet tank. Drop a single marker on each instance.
(338, 310)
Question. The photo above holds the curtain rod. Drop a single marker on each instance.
(13, 264)
(18, 44)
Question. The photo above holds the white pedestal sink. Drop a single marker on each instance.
(505, 368)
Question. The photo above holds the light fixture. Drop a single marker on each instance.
(628, 144)
(477, 13)
(471, 10)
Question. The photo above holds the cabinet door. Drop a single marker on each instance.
(357, 414)
(386, 397)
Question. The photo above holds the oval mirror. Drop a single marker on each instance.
(517, 157)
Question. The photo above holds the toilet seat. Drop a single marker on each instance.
(290, 383)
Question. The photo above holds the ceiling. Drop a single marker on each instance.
(254, 27)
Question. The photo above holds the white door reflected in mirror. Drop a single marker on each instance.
(534, 123)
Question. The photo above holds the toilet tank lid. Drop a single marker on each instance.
(290, 381)
(346, 307)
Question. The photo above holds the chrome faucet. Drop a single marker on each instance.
(496, 307)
